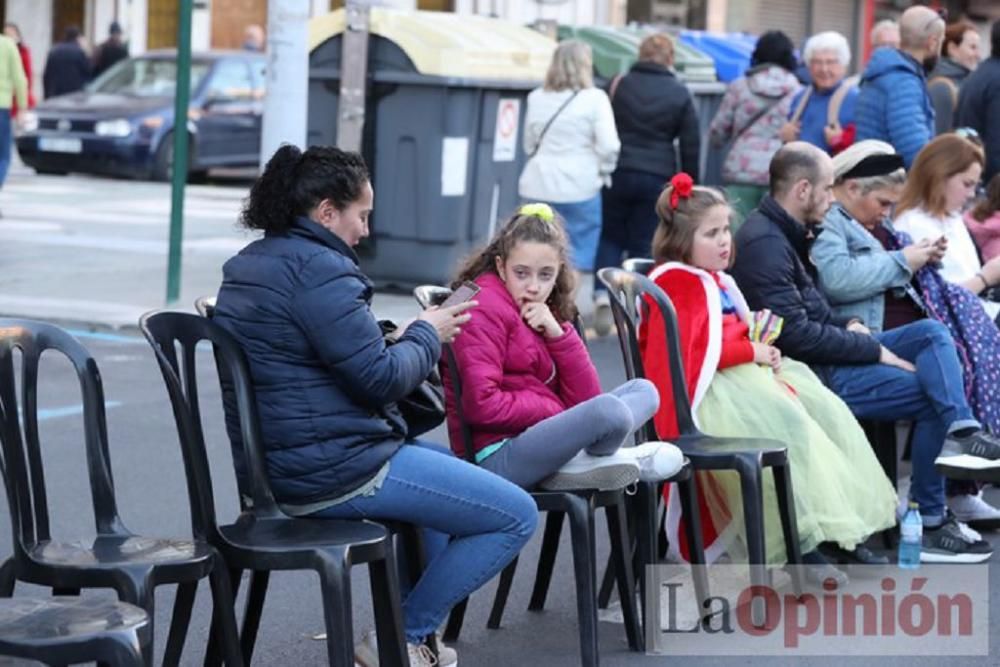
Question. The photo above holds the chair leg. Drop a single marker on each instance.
(546, 560)
(455, 620)
(621, 557)
(789, 527)
(335, 584)
(253, 611)
(7, 579)
(183, 604)
(645, 503)
(750, 471)
(688, 490)
(135, 588)
(123, 648)
(224, 613)
(212, 657)
(388, 613)
(503, 591)
(607, 584)
(581, 522)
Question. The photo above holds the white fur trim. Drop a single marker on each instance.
(672, 525)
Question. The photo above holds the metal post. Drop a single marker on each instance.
(180, 154)
(287, 100)
(353, 76)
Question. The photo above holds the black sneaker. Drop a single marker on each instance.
(977, 451)
(948, 544)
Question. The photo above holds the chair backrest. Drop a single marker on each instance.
(434, 295)
(629, 307)
(640, 265)
(168, 332)
(21, 460)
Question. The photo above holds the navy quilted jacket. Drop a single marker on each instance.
(326, 383)
(893, 104)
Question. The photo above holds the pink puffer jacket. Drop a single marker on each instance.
(512, 376)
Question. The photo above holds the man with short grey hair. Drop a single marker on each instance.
(893, 105)
(912, 372)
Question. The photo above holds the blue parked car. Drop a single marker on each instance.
(122, 123)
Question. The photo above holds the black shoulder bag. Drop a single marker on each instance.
(422, 408)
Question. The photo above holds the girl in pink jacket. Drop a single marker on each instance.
(983, 221)
(530, 393)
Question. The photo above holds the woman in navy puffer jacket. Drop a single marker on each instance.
(327, 385)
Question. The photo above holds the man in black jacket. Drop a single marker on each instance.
(979, 104)
(110, 51)
(912, 372)
(67, 69)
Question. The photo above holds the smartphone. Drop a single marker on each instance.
(463, 293)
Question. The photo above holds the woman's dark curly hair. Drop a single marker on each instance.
(529, 228)
(294, 183)
(774, 48)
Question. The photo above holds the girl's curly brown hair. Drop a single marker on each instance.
(530, 228)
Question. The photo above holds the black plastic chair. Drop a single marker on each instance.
(133, 565)
(64, 630)
(263, 538)
(579, 506)
(627, 289)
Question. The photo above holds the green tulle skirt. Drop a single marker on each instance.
(841, 493)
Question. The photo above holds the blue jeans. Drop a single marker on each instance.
(933, 397)
(5, 144)
(629, 218)
(583, 227)
(488, 518)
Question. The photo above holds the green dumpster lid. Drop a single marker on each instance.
(446, 44)
(616, 49)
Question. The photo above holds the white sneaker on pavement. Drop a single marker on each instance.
(366, 653)
(974, 509)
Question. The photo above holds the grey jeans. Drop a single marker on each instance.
(599, 426)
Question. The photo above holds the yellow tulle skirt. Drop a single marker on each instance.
(841, 493)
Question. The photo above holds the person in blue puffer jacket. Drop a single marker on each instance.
(893, 105)
(327, 384)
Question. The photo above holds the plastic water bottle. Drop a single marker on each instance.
(911, 535)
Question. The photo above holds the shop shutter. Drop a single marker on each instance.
(788, 16)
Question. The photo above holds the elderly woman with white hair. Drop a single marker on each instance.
(572, 146)
(823, 112)
(881, 278)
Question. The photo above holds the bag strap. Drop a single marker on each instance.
(613, 86)
(760, 114)
(837, 101)
(545, 129)
(952, 88)
(802, 105)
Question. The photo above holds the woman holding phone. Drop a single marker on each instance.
(327, 386)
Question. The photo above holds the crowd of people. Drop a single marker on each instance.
(861, 226)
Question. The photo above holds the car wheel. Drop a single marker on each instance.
(50, 172)
(164, 162)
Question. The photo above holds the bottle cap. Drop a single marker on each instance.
(914, 505)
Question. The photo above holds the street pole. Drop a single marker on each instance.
(287, 97)
(179, 170)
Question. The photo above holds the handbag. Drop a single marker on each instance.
(422, 408)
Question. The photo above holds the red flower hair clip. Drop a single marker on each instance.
(682, 185)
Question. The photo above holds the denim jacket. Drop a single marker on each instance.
(854, 270)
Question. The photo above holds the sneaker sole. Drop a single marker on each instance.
(606, 478)
(967, 461)
(928, 557)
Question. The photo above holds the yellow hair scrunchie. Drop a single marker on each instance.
(538, 210)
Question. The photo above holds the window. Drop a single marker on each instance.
(231, 81)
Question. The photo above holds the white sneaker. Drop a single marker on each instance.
(366, 652)
(585, 471)
(657, 460)
(603, 317)
(974, 509)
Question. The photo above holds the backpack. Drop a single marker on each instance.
(952, 88)
(836, 101)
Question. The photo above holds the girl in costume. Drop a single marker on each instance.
(741, 388)
(530, 392)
